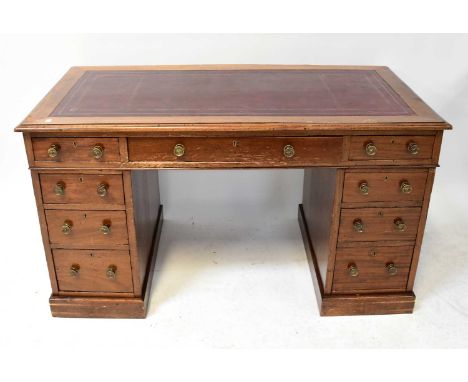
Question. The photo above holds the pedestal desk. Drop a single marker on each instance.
(368, 144)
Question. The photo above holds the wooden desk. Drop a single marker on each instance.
(368, 144)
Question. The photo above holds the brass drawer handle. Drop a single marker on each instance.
(59, 188)
(179, 150)
(413, 148)
(102, 189)
(391, 269)
(67, 227)
(111, 271)
(400, 224)
(364, 188)
(353, 270)
(74, 270)
(358, 225)
(288, 151)
(105, 229)
(53, 150)
(97, 151)
(371, 148)
(406, 187)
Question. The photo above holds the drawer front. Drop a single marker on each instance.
(93, 270)
(371, 269)
(372, 224)
(86, 228)
(273, 151)
(391, 147)
(68, 150)
(384, 186)
(82, 188)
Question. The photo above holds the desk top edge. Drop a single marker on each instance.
(41, 120)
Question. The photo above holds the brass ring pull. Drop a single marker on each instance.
(97, 151)
(179, 150)
(288, 151)
(111, 271)
(59, 188)
(353, 270)
(371, 148)
(358, 225)
(53, 150)
(400, 224)
(413, 148)
(74, 270)
(406, 187)
(391, 269)
(67, 227)
(364, 188)
(102, 189)
(105, 229)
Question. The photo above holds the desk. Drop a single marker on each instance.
(368, 144)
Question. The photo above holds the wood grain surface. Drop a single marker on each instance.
(92, 272)
(82, 189)
(378, 224)
(384, 186)
(86, 226)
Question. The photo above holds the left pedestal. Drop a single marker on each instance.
(100, 228)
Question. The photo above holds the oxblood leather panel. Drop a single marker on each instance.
(231, 93)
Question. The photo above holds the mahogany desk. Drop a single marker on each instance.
(368, 144)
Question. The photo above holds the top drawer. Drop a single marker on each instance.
(69, 150)
(391, 147)
(257, 152)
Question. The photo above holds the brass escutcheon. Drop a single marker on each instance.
(53, 150)
(353, 270)
(102, 189)
(371, 148)
(59, 188)
(413, 148)
(111, 271)
(406, 187)
(179, 150)
(364, 188)
(97, 151)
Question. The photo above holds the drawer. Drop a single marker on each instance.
(273, 151)
(371, 269)
(391, 147)
(384, 186)
(68, 150)
(82, 189)
(93, 270)
(87, 228)
(372, 224)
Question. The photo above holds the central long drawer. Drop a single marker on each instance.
(274, 151)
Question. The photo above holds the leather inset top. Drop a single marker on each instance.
(269, 92)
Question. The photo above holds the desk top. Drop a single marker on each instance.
(234, 97)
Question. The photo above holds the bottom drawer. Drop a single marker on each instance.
(93, 270)
(371, 269)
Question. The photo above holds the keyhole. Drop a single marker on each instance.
(81, 179)
(74, 144)
(235, 143)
